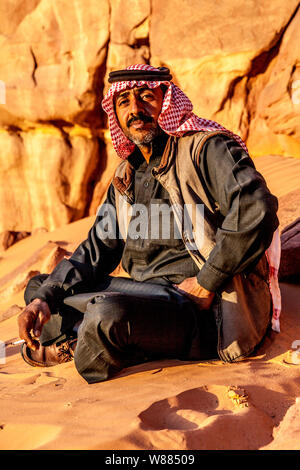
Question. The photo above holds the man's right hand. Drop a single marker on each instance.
(31, 321)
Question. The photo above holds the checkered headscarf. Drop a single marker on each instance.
(176, 117)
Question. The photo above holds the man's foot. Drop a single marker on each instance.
(52, 355)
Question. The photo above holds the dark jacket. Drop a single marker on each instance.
(242, 306)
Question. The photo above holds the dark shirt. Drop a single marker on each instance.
(247, 222)
(159, 251)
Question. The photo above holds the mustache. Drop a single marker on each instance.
(139, 117)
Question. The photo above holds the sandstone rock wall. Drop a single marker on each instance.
(239, 62)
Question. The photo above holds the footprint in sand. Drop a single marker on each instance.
(24, 383)
(209, 417)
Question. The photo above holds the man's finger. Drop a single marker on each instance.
(26, 320)
(39, 323)
(33, 344)
(25, 333)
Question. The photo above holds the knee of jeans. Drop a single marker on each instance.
(33, 284)
(106, 312)
(113, 306)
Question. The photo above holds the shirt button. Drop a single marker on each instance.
(146, 184)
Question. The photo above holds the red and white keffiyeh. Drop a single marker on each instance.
(176, 118)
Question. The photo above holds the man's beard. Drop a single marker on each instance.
(145, 137)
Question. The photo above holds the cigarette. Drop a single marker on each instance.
(15, 342)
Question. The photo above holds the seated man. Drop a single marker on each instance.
(196, 290)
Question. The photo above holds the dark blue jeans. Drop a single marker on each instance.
(125, 322)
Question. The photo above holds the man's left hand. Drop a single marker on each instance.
(202, 297)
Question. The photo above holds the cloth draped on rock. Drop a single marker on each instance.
(176, 119)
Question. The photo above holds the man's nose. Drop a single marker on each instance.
(135, 105)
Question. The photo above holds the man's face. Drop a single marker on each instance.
(137, 111)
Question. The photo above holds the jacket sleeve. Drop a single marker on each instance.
(247, 211)
(94, 258)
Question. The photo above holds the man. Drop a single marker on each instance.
(202, 294)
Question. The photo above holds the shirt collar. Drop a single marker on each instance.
(137, 160)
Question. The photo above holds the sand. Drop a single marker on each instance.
(163, 405)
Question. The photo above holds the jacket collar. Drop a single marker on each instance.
(123, 183)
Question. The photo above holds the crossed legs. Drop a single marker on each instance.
(125, 322)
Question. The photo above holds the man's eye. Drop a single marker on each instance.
(147, 96)
(122, 102)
